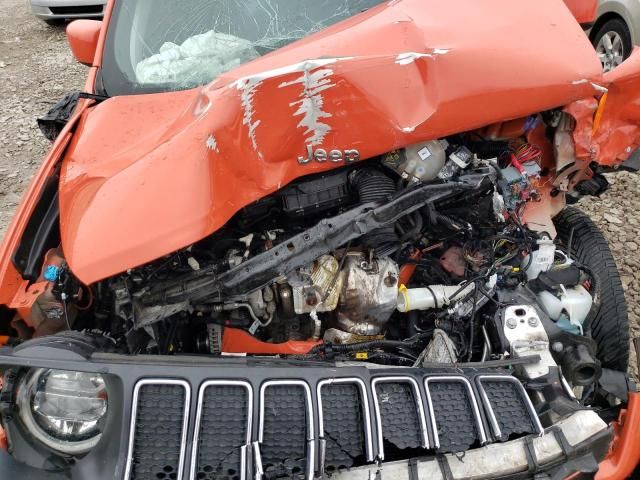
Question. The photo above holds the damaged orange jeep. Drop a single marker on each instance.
(323, 240)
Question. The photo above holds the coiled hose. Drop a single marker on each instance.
(374, 186)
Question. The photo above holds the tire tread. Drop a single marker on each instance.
(610, 323)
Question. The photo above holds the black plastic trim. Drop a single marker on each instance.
(41, 233)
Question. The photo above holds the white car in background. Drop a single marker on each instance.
(57, 11)
(616, 31)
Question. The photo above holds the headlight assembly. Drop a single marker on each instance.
(63, 409)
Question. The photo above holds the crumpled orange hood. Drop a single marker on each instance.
(147, 175)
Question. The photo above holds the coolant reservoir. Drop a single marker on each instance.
(420, 162)
(569, 308)
(542, 259)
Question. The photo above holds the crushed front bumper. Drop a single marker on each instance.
(192, 417)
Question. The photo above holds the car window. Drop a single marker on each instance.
(162, 45)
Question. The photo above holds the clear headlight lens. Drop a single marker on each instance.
(63, 409)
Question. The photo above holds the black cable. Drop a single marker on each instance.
(499, 304)
(354, 347)
(595, 294)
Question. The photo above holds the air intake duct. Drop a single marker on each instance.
(372, 185)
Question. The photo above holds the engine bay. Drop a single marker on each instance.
(420, 256)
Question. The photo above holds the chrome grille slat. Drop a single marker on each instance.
(310, 418)
(134, 414)
(419, 409)
(533, 416)
(364, 401)
(472, 399)
(198, 424)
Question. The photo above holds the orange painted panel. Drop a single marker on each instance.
(583, 10)
(147, 175)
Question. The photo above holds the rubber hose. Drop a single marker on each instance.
(373, 185)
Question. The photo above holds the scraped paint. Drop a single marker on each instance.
(596, 87)
(287, 69)
(212, 144)
(410, 57)
(407, 58)
(248, 87)
(311, 103)
(599, 88)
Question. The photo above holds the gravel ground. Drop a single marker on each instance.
(36, 69)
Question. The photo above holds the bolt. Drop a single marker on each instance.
(312, 300)
(557, 347)
(533, 321)
(512, 322)
(390, 280)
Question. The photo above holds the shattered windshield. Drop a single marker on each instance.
(162, 45)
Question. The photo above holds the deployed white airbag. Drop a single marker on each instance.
(198, 60)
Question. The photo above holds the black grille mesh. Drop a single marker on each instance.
(509, 408)
(158, 432)
(343, 425)
(285, 432)
(399, 415)
(77, 10)
(223, 430)
(457, 429)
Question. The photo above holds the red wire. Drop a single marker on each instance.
(528, 152)
(88, 305)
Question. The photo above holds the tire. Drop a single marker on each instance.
(615, 26)
(610, 322)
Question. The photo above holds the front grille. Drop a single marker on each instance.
(159, 421)
(77, 10)
(406, 415)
